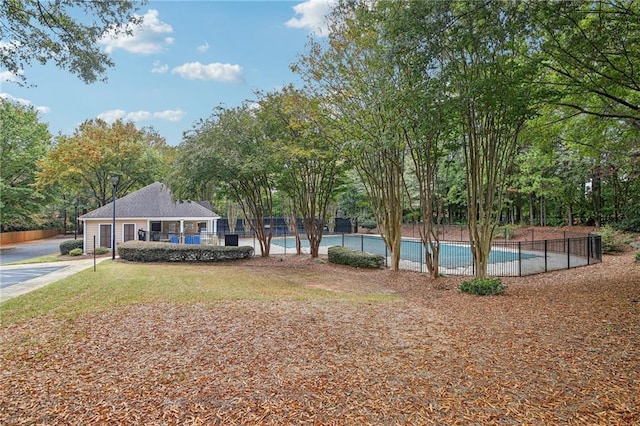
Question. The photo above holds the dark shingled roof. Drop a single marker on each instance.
(152, 201)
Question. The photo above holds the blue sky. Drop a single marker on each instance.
(187, 58)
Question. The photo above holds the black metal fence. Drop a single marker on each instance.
(279, 227)
(507, 258)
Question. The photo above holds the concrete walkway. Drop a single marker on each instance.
(68, 268)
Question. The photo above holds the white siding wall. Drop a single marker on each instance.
(92, 228)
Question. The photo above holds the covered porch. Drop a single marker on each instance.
(182, 231)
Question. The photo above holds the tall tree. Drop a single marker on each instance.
(86, 161)
(24, 141)
(592, 47)
(65, 32)
(311, 164)
(424, 113)
(230, 151)
(482, 48)
(354, 72)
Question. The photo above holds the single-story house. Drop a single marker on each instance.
(150, 214)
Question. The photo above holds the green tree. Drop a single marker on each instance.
(354, 73)
(480, 51)
(231, 152)
(592, 48)
(425, 116)
(24, 141)
(65, 32)
(352, 201)
(86, 161)
(607, 151)
(311, 164)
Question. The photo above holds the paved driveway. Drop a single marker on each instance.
(22, 278)
(12, 275)
(29, 250)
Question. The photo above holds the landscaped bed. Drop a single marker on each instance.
(289, 340)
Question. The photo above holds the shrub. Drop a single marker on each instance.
(482, 286)
(638, 257)
(76, 252)
(369, 225)
(506, 231)
(67, 246)
(142, 251)
(357, 259)
(613, 241)
(631, 222)
(101, 250)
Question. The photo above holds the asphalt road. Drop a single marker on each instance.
(11, 275)
(29, 250)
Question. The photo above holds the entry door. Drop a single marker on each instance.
(105, 235)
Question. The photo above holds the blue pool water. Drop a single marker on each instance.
(451, 255)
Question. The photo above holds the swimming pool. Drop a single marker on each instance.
(452, 255)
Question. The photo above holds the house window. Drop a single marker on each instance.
(105, 235)
(129, 231)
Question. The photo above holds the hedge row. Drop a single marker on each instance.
(357, 259)
(141, 251)
(67, 246)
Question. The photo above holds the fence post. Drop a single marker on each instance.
(473, 259)
(568, 240)
(589, 249)
(386, 254)
(519, 258)
(422, 256)
(94, 253)
(546, 267)
(361, 242)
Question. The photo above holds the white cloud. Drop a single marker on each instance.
(25, 102)
(145, 39)
(203, 47)
(214, 71)
(112, 115)
(159, 68)
(12, 98)
(312, 16)
(137, 116)
(8, 76)
(172, 115)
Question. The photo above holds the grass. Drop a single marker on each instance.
(114, 285)
(53, 257)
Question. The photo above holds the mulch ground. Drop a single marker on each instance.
(557, 348)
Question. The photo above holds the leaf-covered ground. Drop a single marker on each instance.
(558, 348)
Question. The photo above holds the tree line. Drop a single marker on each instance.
(437, 112)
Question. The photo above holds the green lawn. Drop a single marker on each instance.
(116, 284)
(53, 257)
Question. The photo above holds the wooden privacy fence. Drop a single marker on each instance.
(22, 236)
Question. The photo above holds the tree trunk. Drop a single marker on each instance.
(314, 228)
(531, 210)
(570, 214)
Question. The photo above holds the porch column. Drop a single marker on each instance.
(182, 230)
(85, 243)
(147, 236)
(215, 226)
